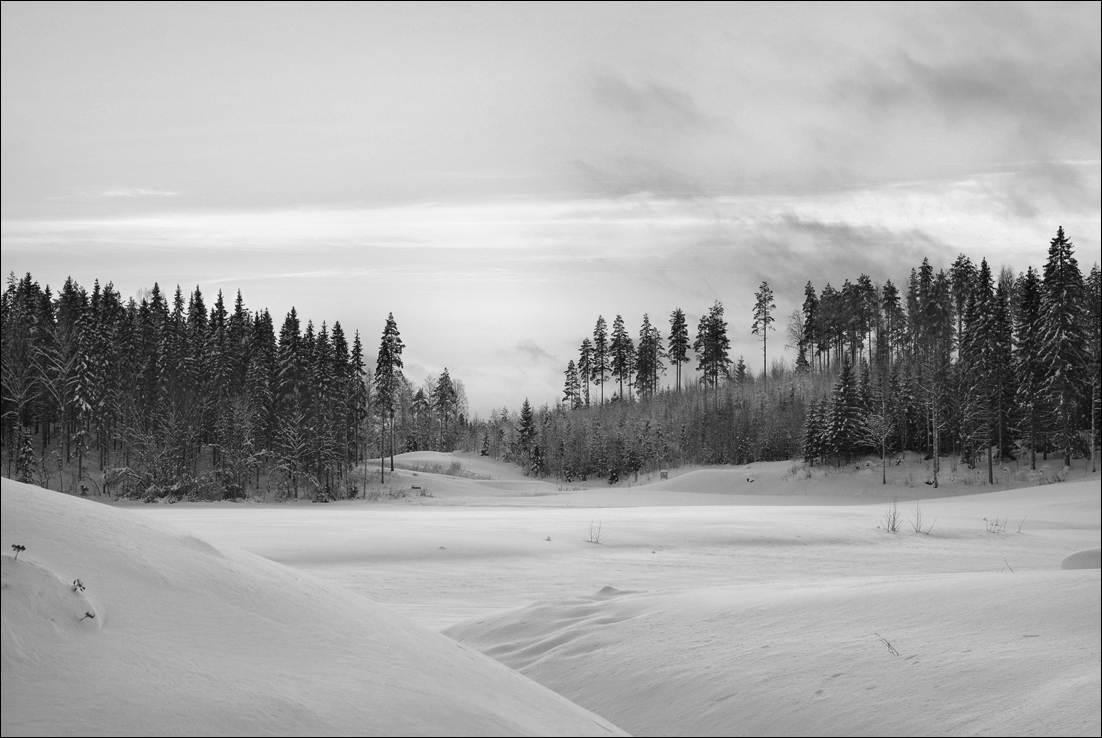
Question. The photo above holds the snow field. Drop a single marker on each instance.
(191, 638)
(707, 609)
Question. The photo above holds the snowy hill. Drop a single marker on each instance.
(188, 638)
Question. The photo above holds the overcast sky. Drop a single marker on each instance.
(497, 176)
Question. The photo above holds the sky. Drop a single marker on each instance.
(499, 175)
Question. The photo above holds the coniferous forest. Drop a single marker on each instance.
(960, 360)
(149, 397)
(152, 398)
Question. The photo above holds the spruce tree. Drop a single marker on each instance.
(388, 381)
(1028, 370)
(1063, 342)
(571, 392)
(526, 433)
(845, 422)
(1093, 329)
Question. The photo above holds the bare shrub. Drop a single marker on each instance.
(917, 521)
(892, 519)
(596, 533)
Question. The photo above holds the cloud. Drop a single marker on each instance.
(535, 354)
(135, 192)
(650, 104)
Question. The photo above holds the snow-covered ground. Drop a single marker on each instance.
(720, 601)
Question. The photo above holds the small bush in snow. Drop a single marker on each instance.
(892, 518)
(596, 534)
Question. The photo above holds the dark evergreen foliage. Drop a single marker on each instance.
(147, 399)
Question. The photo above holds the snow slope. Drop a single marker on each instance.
(984, 653)
(194, 638)
(745, 616)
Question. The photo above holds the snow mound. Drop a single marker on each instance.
(969, 654)
(1088, 558)
(37, 607)
(190, 639)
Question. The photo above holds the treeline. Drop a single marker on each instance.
(958, 362)
(160, 398)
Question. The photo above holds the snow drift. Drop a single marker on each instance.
(187, 638)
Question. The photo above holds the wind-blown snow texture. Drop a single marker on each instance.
(191, 638)
(714, 605)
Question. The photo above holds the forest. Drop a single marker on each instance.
(961, 361)
(150, 398)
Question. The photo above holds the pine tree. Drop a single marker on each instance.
(1063, 345)
(649, 358)
(763, 323)
(621, 354)
(678, 342)
(894, 321)
(811, 319)
(599, 359)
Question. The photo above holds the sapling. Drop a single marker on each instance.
(18, 550)
(88, 615)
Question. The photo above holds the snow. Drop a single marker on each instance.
(713, 606)
(193, 638)
(1088, 558)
